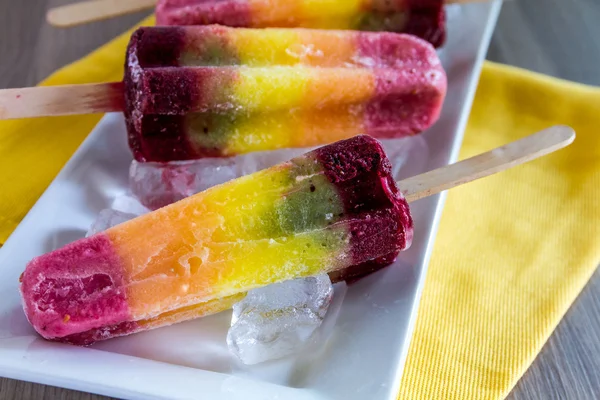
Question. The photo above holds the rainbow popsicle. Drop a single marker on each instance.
(423, 18)
(214, 91)
(335, 210)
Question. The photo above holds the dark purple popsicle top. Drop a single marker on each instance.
(362, 175)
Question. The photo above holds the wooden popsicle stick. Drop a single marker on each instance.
(497, 160)
(96, 10)
(46, 101)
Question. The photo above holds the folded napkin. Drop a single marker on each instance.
(512, 253)
(513, 250)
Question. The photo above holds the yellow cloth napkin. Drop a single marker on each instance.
(513, 250)
(512, 253)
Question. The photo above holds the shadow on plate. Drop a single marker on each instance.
(62, 238)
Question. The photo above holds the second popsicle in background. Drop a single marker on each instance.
(214, 91)
(423, 18)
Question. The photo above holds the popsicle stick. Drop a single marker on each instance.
(96, 10)
(497, 160)
(61, 100)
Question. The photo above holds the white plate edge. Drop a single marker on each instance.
(441, 198)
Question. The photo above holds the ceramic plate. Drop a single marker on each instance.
(365, 354)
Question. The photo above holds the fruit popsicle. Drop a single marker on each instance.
(329, 211)
(213, 91)
(423, 18)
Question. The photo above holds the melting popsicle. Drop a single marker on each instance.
(328, 211)
(335, 210)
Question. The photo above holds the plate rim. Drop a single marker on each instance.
(441, 198)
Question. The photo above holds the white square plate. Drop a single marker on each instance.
(365, 355)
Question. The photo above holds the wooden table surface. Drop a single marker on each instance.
(555, 37)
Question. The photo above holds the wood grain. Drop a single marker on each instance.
(558, 38)
(31, 49)
(555, 37)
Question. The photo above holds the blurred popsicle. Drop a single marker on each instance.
(423, 18)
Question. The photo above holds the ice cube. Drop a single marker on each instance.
(159, 184)
(314, 293)
(107, 219)
(129, 205)
(278, 320)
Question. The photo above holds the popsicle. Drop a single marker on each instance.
(193, 92)
(423, 18)
(330, 211)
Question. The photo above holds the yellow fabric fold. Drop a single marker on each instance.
(513, 250)
(512, 253)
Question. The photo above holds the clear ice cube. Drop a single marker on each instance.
(159, 184)
(129, 205)
(278, 320)
(107, 219)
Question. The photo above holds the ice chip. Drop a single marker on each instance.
(159, 184)
(258, 337)
(129, 204)
(278, 320)
(313, 293)
(107, 219)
